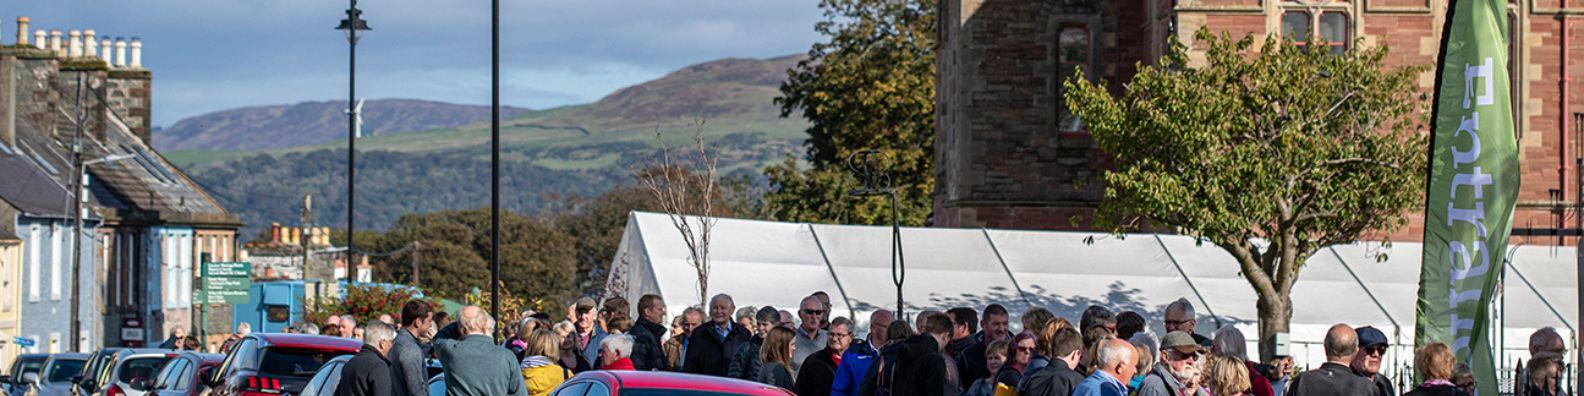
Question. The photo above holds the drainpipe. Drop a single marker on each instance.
(1562, 114)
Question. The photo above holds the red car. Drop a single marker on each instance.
(274, 364)
(654, 383)
(182, 375)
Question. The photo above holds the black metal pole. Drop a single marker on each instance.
(351, 136)
(79, 172)
(495, 164)
(899, 269)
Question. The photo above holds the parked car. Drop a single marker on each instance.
(273, 363)
(97, 369)
(325, 381)
(131, 372)
(26, 363)
(654, 383)
(56, 379)
(183, 374)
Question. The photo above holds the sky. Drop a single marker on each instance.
(210, 55)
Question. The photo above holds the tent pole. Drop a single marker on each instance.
(1004, 266)
(1184, 274)
(851, 312)
(1396, 328)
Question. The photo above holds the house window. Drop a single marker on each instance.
(1330, 28)
(1075, 50)
(34, 262)
(168, 248)
(56, 251)
(185, 271)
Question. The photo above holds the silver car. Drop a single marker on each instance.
(132, 371)
(56, 378)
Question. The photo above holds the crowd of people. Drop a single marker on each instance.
(961, 351)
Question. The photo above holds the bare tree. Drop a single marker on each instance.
(685, 185)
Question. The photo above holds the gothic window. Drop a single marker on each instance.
(1074, 51)
(1330, 28)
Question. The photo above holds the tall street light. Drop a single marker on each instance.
(352, 25)
(495, 162)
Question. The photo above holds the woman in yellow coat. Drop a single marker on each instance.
(541, 373)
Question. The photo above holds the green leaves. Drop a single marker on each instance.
(871, 86)
(1282, 144)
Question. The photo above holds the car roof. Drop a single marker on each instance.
(204, 358)
(308, 341)
(69, 356)
(143, 352)
(664, 380)
(31, 356)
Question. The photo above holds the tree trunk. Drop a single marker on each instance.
(1275, 314)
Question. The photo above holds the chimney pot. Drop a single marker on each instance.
(120, 52)
(106, 50)
(38, 39)
(74, 44)
(22, 30)
(55, 44)
(137, 53)
(90, 44)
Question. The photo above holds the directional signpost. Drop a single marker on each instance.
(227, 283)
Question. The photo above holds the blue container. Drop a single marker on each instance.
(272, 306)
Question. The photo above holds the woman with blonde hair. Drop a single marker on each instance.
(775, 357)
(1434, 364)
(1226, 376)
(540, 370)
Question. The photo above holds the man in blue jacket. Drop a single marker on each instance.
(860, 355)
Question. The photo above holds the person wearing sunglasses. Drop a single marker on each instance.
(1367, 363)
(811, 336)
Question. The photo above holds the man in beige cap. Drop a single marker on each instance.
(1177, 368)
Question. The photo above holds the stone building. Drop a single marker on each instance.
(1009, 156)
(151, 225)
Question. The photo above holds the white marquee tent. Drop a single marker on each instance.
(772, 263)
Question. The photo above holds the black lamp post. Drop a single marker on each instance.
(864, 166)
(352, 25)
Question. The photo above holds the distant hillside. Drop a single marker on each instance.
(310, 123)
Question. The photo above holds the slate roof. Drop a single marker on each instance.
(29, 189)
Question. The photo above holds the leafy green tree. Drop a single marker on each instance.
(871, 86)
(537, 260)
(1270, 155)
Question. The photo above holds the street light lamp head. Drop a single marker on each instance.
(353, 23)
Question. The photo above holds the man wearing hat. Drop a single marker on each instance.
(1367, 363)
(1179, 356)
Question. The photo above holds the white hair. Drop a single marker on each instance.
(1182, 305)
(348, 321)
(1115, 353)
(376, 332)
(1229, 341)
(309, 328)
(620, 344)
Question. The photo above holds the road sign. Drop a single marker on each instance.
(228, 269)
(226, 283)
(25, 342)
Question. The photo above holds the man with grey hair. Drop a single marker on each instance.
(615, 352)
(348, 326)
(1179, 316)
(474, 365)
(710, 346)
(1116, 364)
(309, 328)
(811, 336)
(1229, 342)
(1176, 369)
(368, 373)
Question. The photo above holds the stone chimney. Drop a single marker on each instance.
(106, 50)
(55, 45)
(22, 30)
(275, 233)
(38, 39)
(90, 44)
(74, 44)
(137, 53)
(120, 52)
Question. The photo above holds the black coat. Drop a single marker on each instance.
(1436, 390)
(814, 378)
(708, 354)
(915, 366)
(1055, 379)
(647, 354)
(367, 374)
(971, 364)
(1330, 379)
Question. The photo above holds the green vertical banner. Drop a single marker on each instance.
(1472, 187)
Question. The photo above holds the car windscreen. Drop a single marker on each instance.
(295, 362)
(64, 370)
(144, 368)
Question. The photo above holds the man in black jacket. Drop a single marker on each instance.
(915, 366)
(1367, 362)
(745, 360)
(994, 326)
(369, 373)
(647, 331)
(818, 371)
(1060, 377)
(709, 348)
(1334, 377)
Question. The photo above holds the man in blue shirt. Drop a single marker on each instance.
(854, 363)
(1117, 360)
